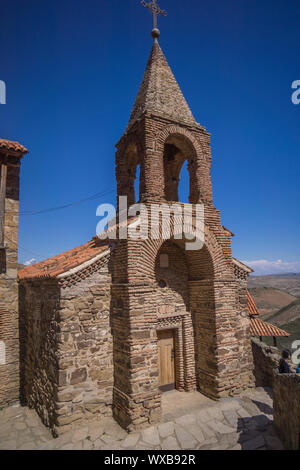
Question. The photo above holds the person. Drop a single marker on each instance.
(284, 368)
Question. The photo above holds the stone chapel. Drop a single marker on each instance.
(107, 327)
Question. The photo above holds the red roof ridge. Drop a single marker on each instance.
(63, 262)
(262, 328)
(12, 146)
(253, 310)
(71, 259)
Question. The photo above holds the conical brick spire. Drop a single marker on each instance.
(159, 92)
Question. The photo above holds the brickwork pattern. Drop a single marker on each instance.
(10, 155)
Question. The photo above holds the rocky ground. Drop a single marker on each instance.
(234, 423)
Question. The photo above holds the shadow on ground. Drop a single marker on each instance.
(258, 433)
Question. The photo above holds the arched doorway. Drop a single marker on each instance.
(184, 293)
(171, 276)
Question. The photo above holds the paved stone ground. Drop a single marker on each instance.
(234, 423)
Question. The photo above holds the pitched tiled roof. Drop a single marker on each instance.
(259, 327)
(62, 263)
(263, 328)
(253, 310)
(13, 146)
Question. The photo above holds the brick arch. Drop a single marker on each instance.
(200, 300)
(211, 254)
(199, 167)
(173, 130)
(175, 145)
(130, 139)
(129, 156)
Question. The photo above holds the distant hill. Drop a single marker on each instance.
(269, 300)
(288, 282)
(287, 314)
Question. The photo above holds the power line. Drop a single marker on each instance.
(52, 209)
(65, 206)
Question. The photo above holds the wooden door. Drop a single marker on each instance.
(166, 360)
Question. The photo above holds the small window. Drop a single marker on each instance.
(164, 261)
(162, 284)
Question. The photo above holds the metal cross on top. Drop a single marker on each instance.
(154, 8)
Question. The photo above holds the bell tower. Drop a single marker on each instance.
(160, 290)
(162, 133)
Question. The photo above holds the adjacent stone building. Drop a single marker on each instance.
(107, 327)
(11, 154)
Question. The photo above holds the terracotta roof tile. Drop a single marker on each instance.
(13, 146)
(63, 262)
(262, 328)
(253, 310)
(59, 264)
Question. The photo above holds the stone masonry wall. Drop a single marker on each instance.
(285, 392)
(286, 404)
(85, 351)
(266, 359)
(243, 335)
(39, 329)
(9, 330)
(66, 347)
(9, 357)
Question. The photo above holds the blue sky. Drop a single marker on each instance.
(72, 70)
